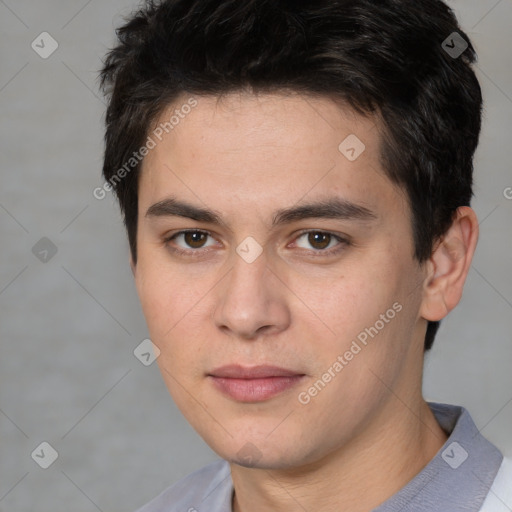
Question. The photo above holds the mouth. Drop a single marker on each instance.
(254, 384)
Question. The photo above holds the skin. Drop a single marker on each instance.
(368, 431)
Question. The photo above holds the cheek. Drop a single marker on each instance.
(347, 301)
(165, 294)
(174, 304)
(370, 313)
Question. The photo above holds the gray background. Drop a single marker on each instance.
(69, 326)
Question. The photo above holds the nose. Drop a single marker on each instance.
(251, 301)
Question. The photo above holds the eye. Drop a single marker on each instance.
(321, 241)
(193, 242)
(190, 240)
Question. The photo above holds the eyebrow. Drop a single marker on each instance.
(330, 208)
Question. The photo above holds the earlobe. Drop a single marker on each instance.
(449, 266)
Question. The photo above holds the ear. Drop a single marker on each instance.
(449, 265)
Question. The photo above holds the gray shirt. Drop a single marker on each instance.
(458, 478)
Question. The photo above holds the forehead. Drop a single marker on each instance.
(262, 152)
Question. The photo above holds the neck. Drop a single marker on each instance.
(396, 446)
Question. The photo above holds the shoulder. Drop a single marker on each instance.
(499, 498)
(210, 485)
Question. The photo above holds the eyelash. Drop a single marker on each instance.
(343, 242)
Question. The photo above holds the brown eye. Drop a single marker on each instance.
(194, 239)
(321, 243)
(319, 240)
(189, 242)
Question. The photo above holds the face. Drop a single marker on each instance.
(276, 274)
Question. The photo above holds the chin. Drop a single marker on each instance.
(258, 452)
(267, 463)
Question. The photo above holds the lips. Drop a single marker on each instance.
(255, 372)
(253, 384)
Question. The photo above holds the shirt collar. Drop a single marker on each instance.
(459, 477)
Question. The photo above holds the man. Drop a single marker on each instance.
(295, 179)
